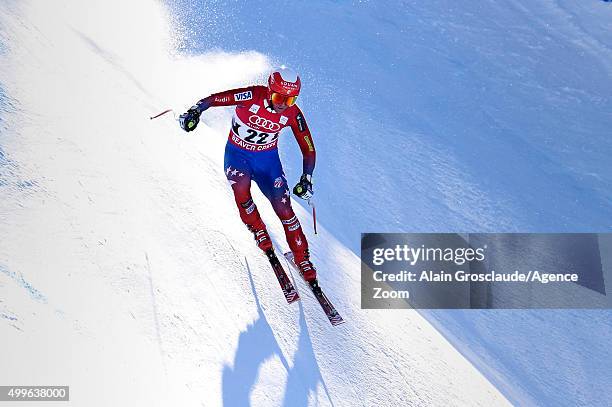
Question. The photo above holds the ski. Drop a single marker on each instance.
(291, 294)
(329, 309)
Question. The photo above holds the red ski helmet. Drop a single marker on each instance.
(284, 82)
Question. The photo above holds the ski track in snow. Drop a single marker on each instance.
(21, 281)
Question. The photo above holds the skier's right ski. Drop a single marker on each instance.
(291, 294)
(326, 305)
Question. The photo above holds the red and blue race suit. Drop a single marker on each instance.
(251, 153)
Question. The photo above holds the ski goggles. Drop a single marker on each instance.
(279, 99)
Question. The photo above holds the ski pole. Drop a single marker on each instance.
(314, 214)
(160, 114)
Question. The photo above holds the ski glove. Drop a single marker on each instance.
(303, 189)
(188, 121)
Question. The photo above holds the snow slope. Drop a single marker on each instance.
(455, 116)
(490, 116)
(124, 270)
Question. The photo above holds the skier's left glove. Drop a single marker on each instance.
(188, 121)
(303, 189)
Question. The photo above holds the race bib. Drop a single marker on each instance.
(259, 131)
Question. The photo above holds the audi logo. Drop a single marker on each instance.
(264, 123)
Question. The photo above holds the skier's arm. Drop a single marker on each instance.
(189, 120)
(304, 140)
(303, 189)
(229, 97)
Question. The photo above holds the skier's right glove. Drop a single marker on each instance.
(188, 121)
(303, 189)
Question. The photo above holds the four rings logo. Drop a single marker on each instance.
(264, 123)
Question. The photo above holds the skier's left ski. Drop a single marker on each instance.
(291, 294)
(326, 305)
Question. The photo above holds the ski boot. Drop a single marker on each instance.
(262, 238)
(308, 271)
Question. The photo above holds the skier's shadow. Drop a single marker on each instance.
(255, 346)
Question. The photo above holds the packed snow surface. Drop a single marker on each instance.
(124, 265)
(125, 271)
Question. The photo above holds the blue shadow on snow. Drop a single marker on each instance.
(255, 346)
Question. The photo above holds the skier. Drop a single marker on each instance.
(251, 154)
